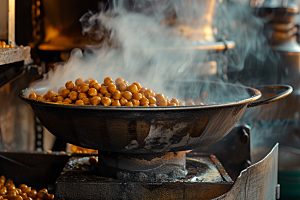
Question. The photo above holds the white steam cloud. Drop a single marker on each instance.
(149, 41)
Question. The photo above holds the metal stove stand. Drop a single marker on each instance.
(206, 179)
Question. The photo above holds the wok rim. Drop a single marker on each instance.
(256, 94)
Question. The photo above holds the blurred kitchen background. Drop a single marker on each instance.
(51, 29)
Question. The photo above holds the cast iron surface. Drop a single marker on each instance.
(79, 184)
(145, 130)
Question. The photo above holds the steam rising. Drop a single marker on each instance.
(148, 41)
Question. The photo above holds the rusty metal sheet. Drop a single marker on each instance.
(259, 181)
(8, 56)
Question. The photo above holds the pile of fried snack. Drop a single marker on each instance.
(108, 93)
(9, 191)
(3, 45)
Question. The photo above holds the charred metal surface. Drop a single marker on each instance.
(233, 151)
(37, 169)
(8, 56)
(259, 181)
(142, 167)
(81, 184)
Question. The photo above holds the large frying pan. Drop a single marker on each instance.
(149, 129)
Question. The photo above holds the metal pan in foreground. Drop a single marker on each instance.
(146, 129)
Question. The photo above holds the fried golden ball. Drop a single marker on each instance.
(143, 89)
(190, 103)
(79, 102)
(32, 95)
(84, 87)
(173, 100)
(108, 81)
(79, 81)
(127, 95)
(106, 101)
(144, 101)
(123, 101)
(133, 88)
(97, 86)
(68, 100)
(123, 86)
(75, 88)
(136, 102)
(92, 92)
(153, 105)
(152, 100)
(138, 85)
(73, 95)
(117, 95)
(60, 98)
(137, 96)
(86, 101)
(103, 90)
(92, 83)
(118, 81)
(69, 85)
(95, 100)
(129, 103)
(109, 95)
(82, 96)
(148, 93)
(112, 88)
(162, 102)
(116, 103)
(64, 93)
(159, 97)
(50, 94)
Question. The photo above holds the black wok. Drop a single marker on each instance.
(148, 129)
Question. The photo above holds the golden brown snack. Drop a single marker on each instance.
(118, 81)
(138, 85)
(112, 87)
(69, 85)
(79, 102)
(116, 103)
(173, 100)
(104, 90)
(129, 103)
(95, 100)
(92, 92)
(108, 81)
(92, 83)
(133, 88)
(97, 86)
(123, 101)
(137, 96)
(144, 101)
(32, 95)
(123, 86)
(106, 101)
(86, 101)
(64, 93)
(136, 102)
(162, 102)
(152, 100)
(73, 95)
(127, 95)
(84, 87)
(79, 81)
(82, 96)
(117, 95)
